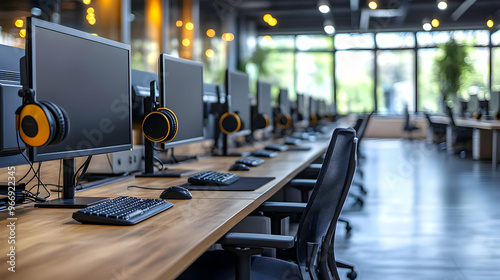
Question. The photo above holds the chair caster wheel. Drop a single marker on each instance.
(348, 228)
(352, 275)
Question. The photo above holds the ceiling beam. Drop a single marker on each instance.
(462, 9)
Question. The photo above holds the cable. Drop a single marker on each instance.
(146, 188)
(85, 166)
(160, 162)
(172, 155)
(30, 164)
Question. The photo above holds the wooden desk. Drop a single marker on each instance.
(51, 245)
(478, 126)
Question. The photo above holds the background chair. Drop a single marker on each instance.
(438, 131)
(408, 127)
(461, 137)
(314, 237)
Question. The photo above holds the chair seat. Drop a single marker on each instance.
(220, 265)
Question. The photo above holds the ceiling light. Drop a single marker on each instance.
(426, 25)
(442, 5)
(272, 22)
(210, 33)
(435, 23)
(490, 23)
(373, 5)
(267, 17)
(328, 27)
(324, 6)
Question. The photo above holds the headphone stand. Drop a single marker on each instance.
(149, 170)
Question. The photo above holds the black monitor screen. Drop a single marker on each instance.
(181, 90)
(284, 102)
(264, 101)
(88, 77)
(313, 106)
(238, 91)
(301, 106)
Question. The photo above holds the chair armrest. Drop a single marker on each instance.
(307, 184)
(315, 166)
(257, 240)
(282, 207)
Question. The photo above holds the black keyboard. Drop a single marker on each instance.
(277, 147)
(123, 210)
(292, 141)
(251, 161)
(213, 178)
(264, 153)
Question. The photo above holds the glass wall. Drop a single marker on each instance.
(383, 72)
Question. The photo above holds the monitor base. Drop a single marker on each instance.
(77, 202)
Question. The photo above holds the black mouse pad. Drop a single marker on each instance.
(243, 184)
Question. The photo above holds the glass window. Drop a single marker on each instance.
(395, 40)
(354, 72)
(395, 85)
(495, 71)
(354, 41)
(315, 74)
(277, 68)
(495, 38)
(476, 81)
(314, 42)
(276, 42)
(429, 93)
(472, 37)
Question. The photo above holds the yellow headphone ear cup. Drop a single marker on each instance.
(36, 125)
(229, 123)
(283, 121)
(160, 126)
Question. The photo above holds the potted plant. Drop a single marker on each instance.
(450, 67)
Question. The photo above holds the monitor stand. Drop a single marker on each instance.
(149, 152)
(226, 153)
(68, 199)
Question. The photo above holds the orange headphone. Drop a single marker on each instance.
(40, 123)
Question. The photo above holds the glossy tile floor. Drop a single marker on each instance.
(427, 215)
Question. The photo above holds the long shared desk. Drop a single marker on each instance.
(51, 245)
(479, 126)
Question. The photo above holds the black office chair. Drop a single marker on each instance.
(438, 131)
(408, 126)
(314, 236)
(461, 136)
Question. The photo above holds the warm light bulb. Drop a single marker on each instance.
(186, 42)
(22, 33)
(92, 21)
(210, 33)
(435, 22)
(372, 5)
(95, 34)
(86, 2)
(273, 22)
(178, 23)
(19, 23)
(267, 17)
(189, 26)
(209, 53)
(227, 37)
(267, 38)
(442, 5)
(490, 23)
(427, 26)
(90, 10)
(89, 17)
(324, 9)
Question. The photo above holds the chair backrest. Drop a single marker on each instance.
(327, 199)
(449, 112)
(407, 118)
(362, 129)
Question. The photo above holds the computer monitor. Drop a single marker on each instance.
(238, 98)
(284, 102)
(141, 81)
(10, 153)
(89, 78)
(210, 110)
(181, 90)
(264, 102)
(301, 107)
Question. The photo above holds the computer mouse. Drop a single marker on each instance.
(239, 167)
(176, 192)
